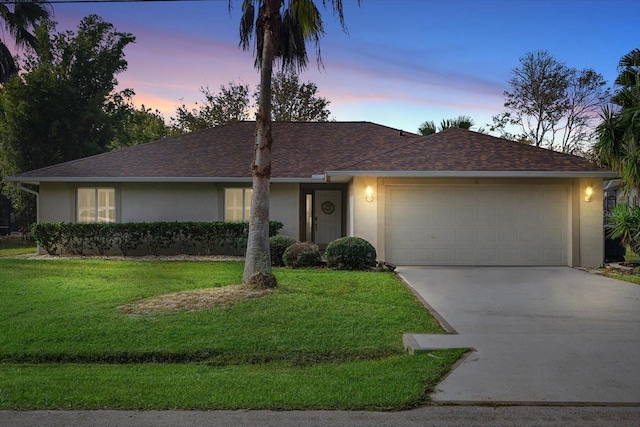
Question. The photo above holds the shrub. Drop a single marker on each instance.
(350, 253)
(302, 254)
(624, 224)
(277, 245)
(126, 237)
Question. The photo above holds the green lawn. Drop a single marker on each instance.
(620, 275)
(323, 339)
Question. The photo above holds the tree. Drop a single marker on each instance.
(551, 104)
(429, 127)
(292, 101)
(618, 144)
(281, 33)
(20, 17)
(138, 126)
(229, 105)
(64, 106)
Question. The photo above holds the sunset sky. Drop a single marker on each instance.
(403, 61)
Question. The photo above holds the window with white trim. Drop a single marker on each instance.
(96, 205)
(237, 204)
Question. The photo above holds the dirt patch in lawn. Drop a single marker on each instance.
(199, 299)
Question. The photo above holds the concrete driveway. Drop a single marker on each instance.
(539, 334)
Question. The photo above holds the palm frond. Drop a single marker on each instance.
(247, 24)
(25, 16)
(8, 67)
(298, 22)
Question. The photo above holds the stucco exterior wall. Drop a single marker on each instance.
(57, 202)
(150, 202)
(365, 213)
(284, 206)
(591, 222)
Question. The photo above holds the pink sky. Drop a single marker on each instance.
(403, 62)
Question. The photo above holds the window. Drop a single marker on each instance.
(96, 205)
(237, 204)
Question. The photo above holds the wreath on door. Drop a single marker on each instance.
(327, 207)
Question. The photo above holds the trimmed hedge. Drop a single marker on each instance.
(79, 239)
(350, 253)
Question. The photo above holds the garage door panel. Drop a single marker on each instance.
(487, 216)
(554, 196)
(487, 235)
(530, 236)
(554, 216)
(398, 196)
(400, 215)
(509, 235)
(509, 256)
(463, 235)
(487, 225)
(463, 255)
(441, 235)
(463, 196)
(443, 256)
(554, 235)
(441, 215)
(488, 255)
(464, 216)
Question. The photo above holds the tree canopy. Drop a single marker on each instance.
(551, 104)
(64, 105)
(230, 104)
(136, 126)
(291, 101)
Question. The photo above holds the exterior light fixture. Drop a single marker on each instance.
(587, 193)
(369, 193)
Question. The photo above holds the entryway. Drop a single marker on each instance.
(322, 213)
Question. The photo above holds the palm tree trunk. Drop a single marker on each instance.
(257, 268)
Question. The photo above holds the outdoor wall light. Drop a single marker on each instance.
(369, 193)
(587, 193)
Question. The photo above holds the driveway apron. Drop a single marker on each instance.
(538, 334)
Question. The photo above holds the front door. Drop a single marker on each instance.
(327, 216)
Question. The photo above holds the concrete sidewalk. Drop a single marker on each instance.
(540, 335)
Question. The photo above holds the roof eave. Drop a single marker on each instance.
(93, 179)
(341, 175)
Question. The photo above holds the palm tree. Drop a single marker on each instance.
(281, 31)
(618, 144)
(20, 17)
(429, 127)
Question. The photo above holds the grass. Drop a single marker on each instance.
(633, 276)
(323, 339)
(621, 275)
(11, 246)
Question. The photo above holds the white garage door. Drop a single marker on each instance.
(479, 225)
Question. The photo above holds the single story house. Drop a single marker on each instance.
(456, 197)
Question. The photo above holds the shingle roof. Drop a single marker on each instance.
(461, 150)
(301, 150)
